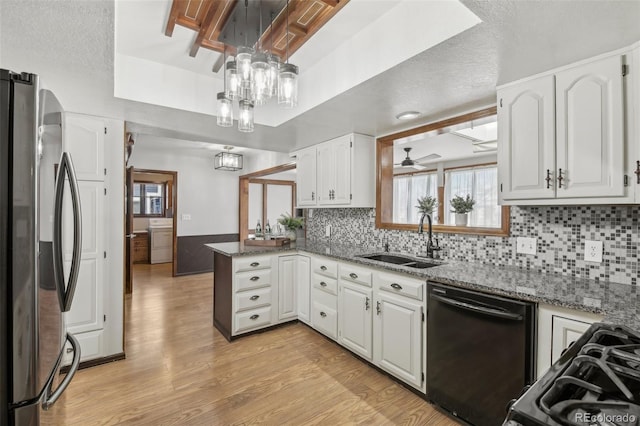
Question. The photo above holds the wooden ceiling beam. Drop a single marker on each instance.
(177, 8)
(215, 19)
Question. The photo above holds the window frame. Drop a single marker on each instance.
(143, 197)
(384, 181)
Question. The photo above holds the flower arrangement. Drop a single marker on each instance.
(426, 204)
(290, 223)
(461, 205)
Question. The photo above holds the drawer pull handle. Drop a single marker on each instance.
(378, 308)
(323, 284)
(254, 278)
(324, 268)
(366, 304)
(254, 264)
(354, 276)
(254, 317)
(396, 286)
(256, 297)
(322, 314)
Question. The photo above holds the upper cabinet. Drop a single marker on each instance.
(337, 173)
(567, 137)
(84, 139)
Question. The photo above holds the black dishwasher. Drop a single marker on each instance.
(480, 352)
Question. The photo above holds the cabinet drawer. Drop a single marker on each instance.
(326, 284)
(254, 318)
(253, 279)
(252, 263)
(355, 274)
(325, 319)
(401, 285)
(325, 267)
(253, 299)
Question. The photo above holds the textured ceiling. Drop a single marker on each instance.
(70, 43)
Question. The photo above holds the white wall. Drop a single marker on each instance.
(208, 195)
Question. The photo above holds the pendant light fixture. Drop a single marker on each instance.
(288, 78)
(254, 76)
(225, 106)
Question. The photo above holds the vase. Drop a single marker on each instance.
(291, 234)
(462, 219)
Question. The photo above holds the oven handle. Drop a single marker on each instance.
(480, 309)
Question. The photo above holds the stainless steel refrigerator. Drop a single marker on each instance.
(36, 288)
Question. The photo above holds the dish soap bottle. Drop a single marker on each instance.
(259, 231)
(267, 231)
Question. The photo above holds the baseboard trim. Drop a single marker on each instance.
(98, 361)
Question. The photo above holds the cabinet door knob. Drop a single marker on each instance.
(378, 307)
(254, 264)
(322, 314)
(396, 286)
(323, 284)
(366, 304)
(637, 172)
(313, 196)
(324, 268)
(254, 278)
(256, 297)
(254, 317)
(354, 276)
(548, 179)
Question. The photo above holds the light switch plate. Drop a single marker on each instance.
(186, 217)
(526, 245)
(593, 251)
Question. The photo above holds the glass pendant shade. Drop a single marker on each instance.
(245, 116)
(243, 59)
(260, 78)
(288, 86)
(232, 80)
(225, 110)
(272, 78)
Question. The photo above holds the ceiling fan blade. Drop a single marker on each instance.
(418, 167)
(428, 158)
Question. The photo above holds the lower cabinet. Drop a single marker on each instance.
(303, 279)
(355, 319)
(399, 337)
(287, 287)
(558, 328)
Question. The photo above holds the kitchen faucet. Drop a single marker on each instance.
(431, 247)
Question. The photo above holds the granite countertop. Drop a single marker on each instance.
(619, 303)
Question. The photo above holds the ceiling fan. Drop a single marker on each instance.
(416, 164)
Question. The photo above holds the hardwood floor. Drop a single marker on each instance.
(181, 371)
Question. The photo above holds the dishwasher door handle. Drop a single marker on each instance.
(480, 309)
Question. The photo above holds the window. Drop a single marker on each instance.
(149, 199)
(406, 191)
(482, 184)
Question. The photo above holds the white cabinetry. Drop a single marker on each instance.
(303, 279)
(306, 177)
(562, 137)
(97, 152)
(355, 302)
(339, 172)
(287, 287)
(324, 296)
(252, 293)
(558, 328)
(399, 336)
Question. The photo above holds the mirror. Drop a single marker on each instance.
(449, 162)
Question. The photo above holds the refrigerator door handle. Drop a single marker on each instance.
(52, 398)
(65, 292)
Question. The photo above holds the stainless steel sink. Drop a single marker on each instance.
(400, 260)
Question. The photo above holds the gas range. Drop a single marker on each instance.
(595, 382)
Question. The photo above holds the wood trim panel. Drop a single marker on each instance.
(271, 170)
(243, 221)
(244, 198)
(384, 181)
(217, 14)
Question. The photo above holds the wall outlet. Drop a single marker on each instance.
(327, 232)
(186, 217)
(593, 251)
(310, 212)
(526, 245)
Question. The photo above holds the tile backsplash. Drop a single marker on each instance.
(560, 233)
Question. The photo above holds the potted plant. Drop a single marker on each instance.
(291, 224)
(427, 204)
(461, 206)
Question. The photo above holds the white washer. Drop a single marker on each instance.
(161, 240)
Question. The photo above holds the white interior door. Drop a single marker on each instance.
(83, 137)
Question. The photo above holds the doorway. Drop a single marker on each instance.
(151, 222)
